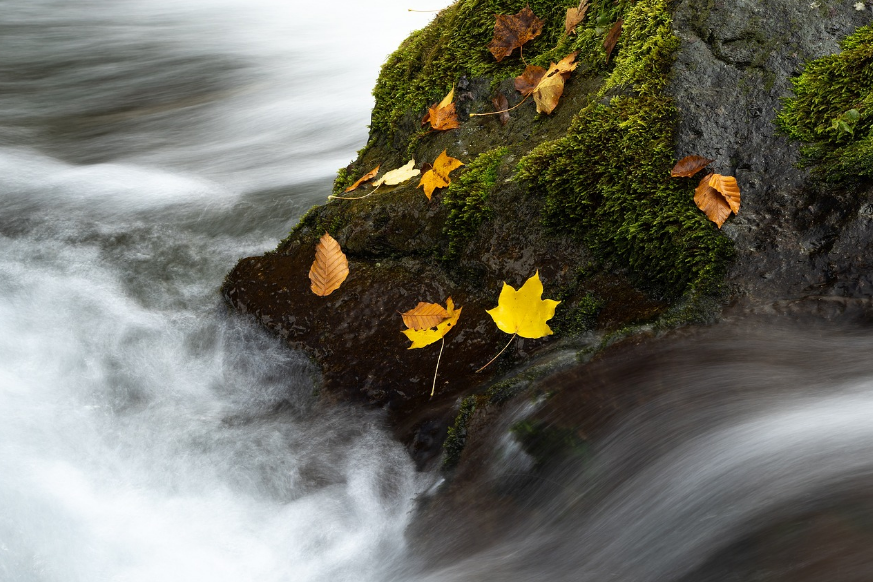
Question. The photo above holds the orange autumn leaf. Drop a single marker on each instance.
(438, 174)
(330, 267)
(365, 178)
(512, 31)
(426, 336)
(612, 38)
(575, 16)
(689, 165)
(717, 196)
(424, 316)
(546, 86)
(443, 116)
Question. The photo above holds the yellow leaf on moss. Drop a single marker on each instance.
(438, 175)
(399, 175)
(524, 312)
(424, 337)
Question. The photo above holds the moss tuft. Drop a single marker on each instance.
(832, 110)
(457, 437)
(608, 179)
(467, 197)
(344, 179)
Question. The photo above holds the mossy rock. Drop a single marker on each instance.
(584, 196)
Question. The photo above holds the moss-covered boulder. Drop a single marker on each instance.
(583, 195)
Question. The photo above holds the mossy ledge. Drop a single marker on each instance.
(583, 196)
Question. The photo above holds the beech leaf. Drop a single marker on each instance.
(546, 86)
(512, 31)
(424, 337)
(524, 312)
(443, 116)
(574, 17)
(612, 38)
(717, 196)
(424, 315)
(438, 175)
(689, 165)
(398, 176)
(365, 178)
(330, 267)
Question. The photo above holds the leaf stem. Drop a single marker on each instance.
(432, 390)
(498, 355)
(332, 197)
(504, 111)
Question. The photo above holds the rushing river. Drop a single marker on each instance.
(148, 434)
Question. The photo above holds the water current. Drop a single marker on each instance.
(149, 434)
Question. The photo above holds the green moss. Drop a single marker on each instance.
(343, 180)
(837, 143)
(457, 437)
(455, 44)
(467, 197)
(545, 442)
(608, 180)
(578, 317)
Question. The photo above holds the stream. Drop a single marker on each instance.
(148, 433)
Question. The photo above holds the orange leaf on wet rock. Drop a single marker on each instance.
(689, 165)
(443, 116)
(330, 267)
(421, 337)
(438, 174)
(512, 31)
(365, 178)
(717, 196)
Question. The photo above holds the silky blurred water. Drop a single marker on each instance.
(145, 432)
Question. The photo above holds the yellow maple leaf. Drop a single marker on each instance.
(424, 337)
(524, 312)
(399, 175)
(438, 175)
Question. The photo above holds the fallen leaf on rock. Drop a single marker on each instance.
(330, 267)
(523, 312)
(575, 16)
(501, 104)
(424, 337)
(717, 196)
(424, 315)
(546, 86)
(443, 116)
(689, 165)
(612, 38)
(398, 176)
(438, 175)
(365, 178)
(512, 31)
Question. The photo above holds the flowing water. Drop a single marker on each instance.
(148, 434)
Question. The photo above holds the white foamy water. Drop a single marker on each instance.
(145, 432)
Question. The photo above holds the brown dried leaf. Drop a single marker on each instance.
(501, 104)
(711, 202)
(438, 175)
(424, 316)
(443, 116)
(512, 31)
(727, 186)
(689, 165)
(574, 17)
(546, 86)
(330, 268)
(612, 38)
(365, 178)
